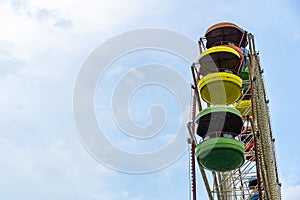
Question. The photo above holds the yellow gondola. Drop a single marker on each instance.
(220, 88)
(220, 58)
(244, 107)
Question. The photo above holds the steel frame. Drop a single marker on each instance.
(261, 158)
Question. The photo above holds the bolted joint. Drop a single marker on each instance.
(273, 140)
(257, 134)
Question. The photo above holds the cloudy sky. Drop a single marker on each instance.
(43, 45)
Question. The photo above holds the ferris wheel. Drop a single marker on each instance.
(230, 133)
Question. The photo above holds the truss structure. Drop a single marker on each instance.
(260, 157)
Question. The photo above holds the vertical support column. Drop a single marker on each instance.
(261, 114)
(193, 172)
(191, 128)
(251, 67)
(216, 184)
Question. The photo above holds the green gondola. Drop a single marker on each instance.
(219, 118)
(220, 154)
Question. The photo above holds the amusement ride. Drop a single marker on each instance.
(231, 140)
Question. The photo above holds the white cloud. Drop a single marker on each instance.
(36, 172)
(126, 195)
(291, 192)
(42, 45)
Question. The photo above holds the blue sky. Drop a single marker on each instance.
(42, 47)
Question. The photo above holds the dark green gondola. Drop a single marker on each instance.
(219, 118)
